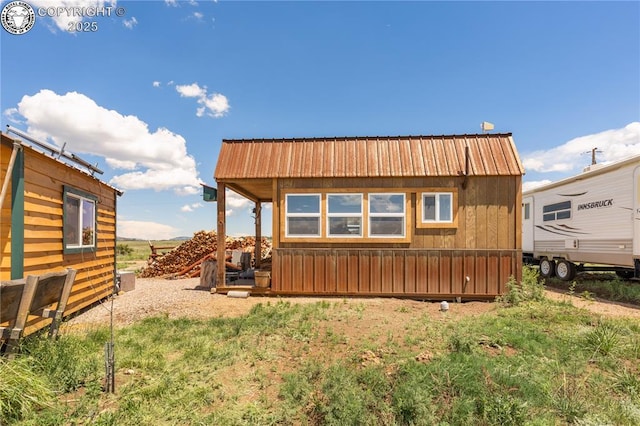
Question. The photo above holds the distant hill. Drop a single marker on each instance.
(152, 239)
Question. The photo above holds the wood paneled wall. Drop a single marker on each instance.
(44, 178)
(489, 211)
(5, 214)
(394, 272)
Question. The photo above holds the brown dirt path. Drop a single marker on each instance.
(180, 298)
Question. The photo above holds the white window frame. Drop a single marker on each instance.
(317, 215)
(437, 196)
(78, 246)
(402, 214)
(345, 215)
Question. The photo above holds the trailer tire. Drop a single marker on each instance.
(565, 270)
(547, 267)
(625, 275)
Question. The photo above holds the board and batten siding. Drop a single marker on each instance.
(44, 181)
(485, 246)
(488, 211)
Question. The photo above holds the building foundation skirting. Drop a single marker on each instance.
(421, 273)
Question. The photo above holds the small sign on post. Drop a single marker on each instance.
(209, 194)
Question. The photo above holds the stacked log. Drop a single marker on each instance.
(185, 259)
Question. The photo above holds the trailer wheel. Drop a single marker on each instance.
(547, 268)
(625, 275)
(565, 270)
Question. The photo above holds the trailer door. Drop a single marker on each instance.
(636, 213)
(527, 225)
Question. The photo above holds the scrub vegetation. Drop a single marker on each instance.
(529, 361)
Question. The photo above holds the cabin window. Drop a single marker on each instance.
(79, 221)
(556, 211)
(344, 215)
(526, 211)
(387, 215)
(302, 215)
(437, 207)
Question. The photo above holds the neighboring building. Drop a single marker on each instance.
(416, 216)
(55, 215)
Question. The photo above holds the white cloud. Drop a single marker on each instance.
(145, 230)
(12, 115)
(235, 202)
(63, 19)
(215, 105)
(191, 90)
(156, 84)
(614, 144)
(130, 23)
(158, 160)
(526, 186)
(198, 15)
(173, 3)
(191, 207)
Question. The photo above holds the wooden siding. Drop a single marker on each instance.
(44, 178)
(489, 155)
(5, 214)
(394, 272)
(488, 212)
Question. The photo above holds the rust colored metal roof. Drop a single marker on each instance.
(408, 156)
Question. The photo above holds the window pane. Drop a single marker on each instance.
(386, 203)
(303, 203)
(303, 225)
(526, 211)
(72, 221)
(345, 226)
(428, 207)
(387, 226)
(445, 207)
(548, 217)
(347, 203)
(564, 215)
(557, 206)
(88, 223)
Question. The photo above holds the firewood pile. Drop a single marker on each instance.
(185, 260)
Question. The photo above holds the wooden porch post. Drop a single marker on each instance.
(222, 234)
(258, 253)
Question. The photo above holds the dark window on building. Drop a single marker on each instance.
(556, 211)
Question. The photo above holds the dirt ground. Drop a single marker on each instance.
(181, 298)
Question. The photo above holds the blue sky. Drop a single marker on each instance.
(150, 95)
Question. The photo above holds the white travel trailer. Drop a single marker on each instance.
(592, 218)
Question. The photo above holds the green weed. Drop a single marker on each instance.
(530, 288)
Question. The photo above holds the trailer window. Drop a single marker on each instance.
(526, 210)
(556, 211)
(79, 221)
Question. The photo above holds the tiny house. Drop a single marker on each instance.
(415, 216)
(593, 218)
(55, 214)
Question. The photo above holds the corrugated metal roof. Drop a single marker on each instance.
(409, 156)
